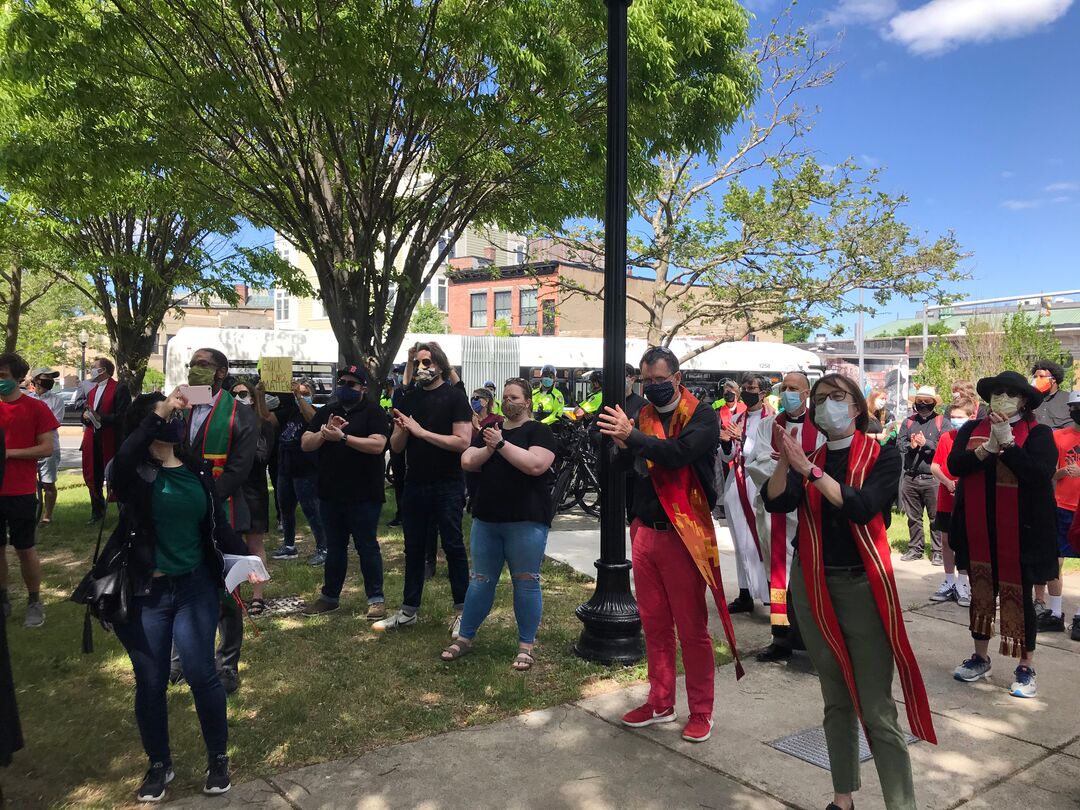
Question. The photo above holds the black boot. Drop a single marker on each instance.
(743, 603)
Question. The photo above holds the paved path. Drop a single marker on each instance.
(995, 751)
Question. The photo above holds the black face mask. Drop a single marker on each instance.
(171, 432)
(660, 394)
(46, 384)
(1075, 414)
(750, 399)
(924, 409)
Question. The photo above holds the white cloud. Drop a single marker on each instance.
(871, 161)
(1007, 175)
(941, 25)
(859, 12)
(1058, 187)
(1021, 205)
(1064, 198)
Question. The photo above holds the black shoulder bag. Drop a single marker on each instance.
(107, 597)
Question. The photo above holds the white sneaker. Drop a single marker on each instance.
(455, 626)
(1024, 685)
(946, 593)
(35, 615)
(963, 594)
(394, 621)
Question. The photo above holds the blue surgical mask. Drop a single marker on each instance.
(958, 421)
(477, 405)
(791, 400)
(547, 382)
(346, 394)
(309, 400)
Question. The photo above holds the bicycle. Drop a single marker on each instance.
(576, 466)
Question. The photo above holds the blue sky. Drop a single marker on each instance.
(971, 108)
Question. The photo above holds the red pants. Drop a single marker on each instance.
(670, 596)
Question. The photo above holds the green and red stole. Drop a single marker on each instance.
(683, 498)
(738, 468)
(874, 549)
(1007, 545)
(217, 440)
(778, 532)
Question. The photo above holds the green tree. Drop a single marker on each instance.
(367, 132)
(915, 330)
(122, 210)
(797, 334)
(987, 347)
(786, 253)
(427, 319)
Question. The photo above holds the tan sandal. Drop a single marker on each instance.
(456, 649)
(523, 661)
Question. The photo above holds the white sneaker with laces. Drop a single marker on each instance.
(395, 620)
(963, 594)
(946, 593)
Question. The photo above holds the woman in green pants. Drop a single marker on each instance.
(843, 590)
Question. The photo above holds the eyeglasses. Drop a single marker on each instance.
(1009, 392)
(241, 394)
(836, 396)
(654, 380)
(426, 362)
(202, 364)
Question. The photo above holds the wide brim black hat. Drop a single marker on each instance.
(1012, 380)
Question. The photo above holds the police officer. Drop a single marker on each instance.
(496, 406)
(386, 399)
(591, 405)
(548, 401)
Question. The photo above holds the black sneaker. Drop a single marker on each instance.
(395, 523)
(1074, 633)
(230, 679)
(319, 607)
(774, 652)
(1049, 623)
(153, 784)
(217, 776)
(285, 553)
(913, 554)
(429, 570)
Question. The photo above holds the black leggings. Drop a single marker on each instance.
(1031, 629)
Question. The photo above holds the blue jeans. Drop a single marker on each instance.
(181, 610)
(361, 520)
(303, 490)
(521, 546)
(427, 507)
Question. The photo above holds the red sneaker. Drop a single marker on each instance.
(646, 715)
(698, 727)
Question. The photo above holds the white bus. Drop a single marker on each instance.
(482, 358)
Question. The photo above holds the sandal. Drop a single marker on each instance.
(256, 607)
(456, 649)
(523, 661)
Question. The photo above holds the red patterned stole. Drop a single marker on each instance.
(874, 549)
(106, 435)
(683, 498)
(738, 467)
(778, 533)
(1007, 545)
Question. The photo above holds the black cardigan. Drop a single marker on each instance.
(131, 478)
(1033, 465)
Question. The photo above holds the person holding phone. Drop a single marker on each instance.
(173, 521)
(349, 436)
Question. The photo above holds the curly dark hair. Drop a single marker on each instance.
(1055, 369)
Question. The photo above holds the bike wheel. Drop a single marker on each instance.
(587, 493)
(562, 494)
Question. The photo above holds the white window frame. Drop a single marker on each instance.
(472, 311)
(284, 308)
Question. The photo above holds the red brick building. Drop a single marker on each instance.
(523, 298)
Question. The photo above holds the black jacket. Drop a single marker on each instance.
(1033, 465)
(242, 449)
(131, 479)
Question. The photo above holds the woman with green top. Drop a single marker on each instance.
(174, 530)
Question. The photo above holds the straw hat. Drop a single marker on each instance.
(924, 392)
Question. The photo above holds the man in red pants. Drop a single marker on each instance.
(673, 449)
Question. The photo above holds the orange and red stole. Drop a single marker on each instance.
(778, 536)
(684, 502)
(1007, 535)
(874, 549)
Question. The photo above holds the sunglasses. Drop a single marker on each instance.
(426, 362)
(1007, 391)
(242, 394)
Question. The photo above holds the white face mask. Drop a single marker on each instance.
(1005, 405)
(833, 417)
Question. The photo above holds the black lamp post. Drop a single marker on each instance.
(84, 338)
(612, 632)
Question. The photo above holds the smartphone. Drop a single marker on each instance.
(197, 394)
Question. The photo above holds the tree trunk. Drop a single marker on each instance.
(131, 352)
(14, 313)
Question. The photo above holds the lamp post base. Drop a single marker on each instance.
(612, 631)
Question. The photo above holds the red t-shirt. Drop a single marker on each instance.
(22, 422)
(945, 498)
(1067, 491)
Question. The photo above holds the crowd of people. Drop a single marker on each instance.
(806, 477)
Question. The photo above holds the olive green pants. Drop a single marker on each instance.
(872, 660)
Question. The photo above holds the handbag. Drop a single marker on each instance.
(107, 596)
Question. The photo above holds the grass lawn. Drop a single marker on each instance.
(312, 689)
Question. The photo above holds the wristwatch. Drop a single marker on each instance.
(815, 474)
(499, 446)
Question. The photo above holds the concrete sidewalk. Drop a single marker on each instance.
(994, 751)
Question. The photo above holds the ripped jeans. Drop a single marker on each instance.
(519, 545)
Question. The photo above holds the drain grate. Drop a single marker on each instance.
(809, 746)
(283, 606)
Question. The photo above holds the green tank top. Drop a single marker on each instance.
(179, 505)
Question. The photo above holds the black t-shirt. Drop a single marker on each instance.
(436, 410)
(292, 459)
(504, 494)
(345, 474)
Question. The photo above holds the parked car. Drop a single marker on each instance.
(73, 406)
